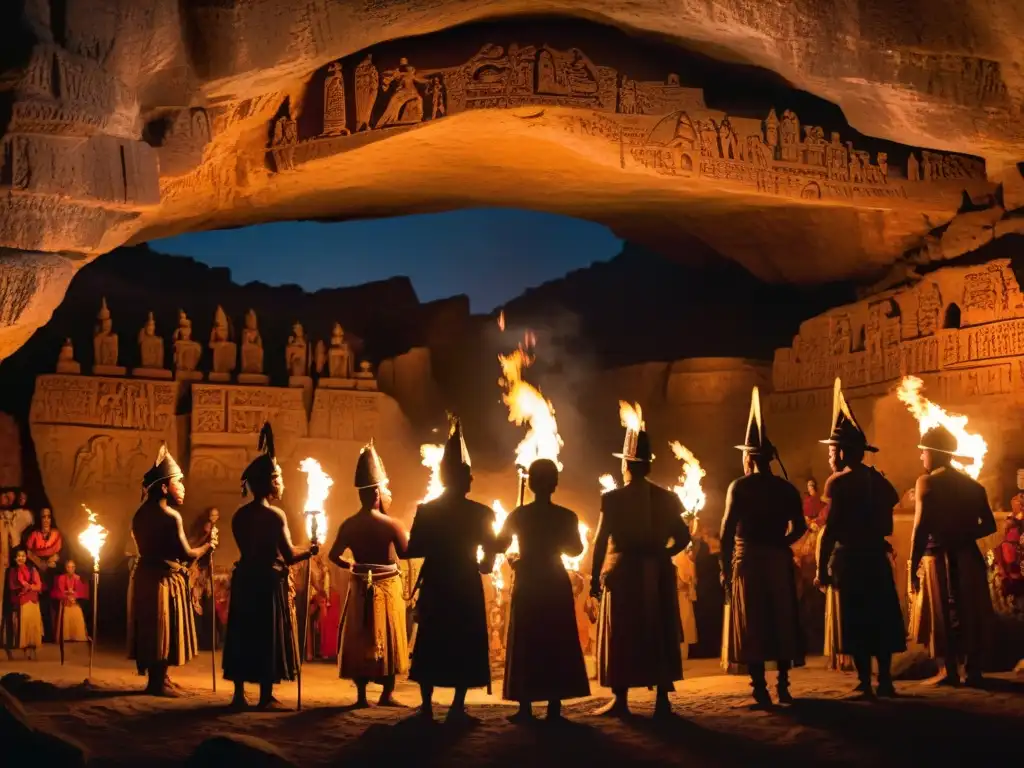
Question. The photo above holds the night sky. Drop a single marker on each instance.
(492, 255)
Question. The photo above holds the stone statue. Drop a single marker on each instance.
(296, 355)
(105, 344)
(335, 122)
(225, 351)
(339, 360)
(186, 349)
(367, 82)
(252, 345)
(66, 359)
(151, 346)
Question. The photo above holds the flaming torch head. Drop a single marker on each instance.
(318, 484)
(607, 483)
(963, 445)
(93, 538)
(689, 488)
(526, 405)
(636, 446)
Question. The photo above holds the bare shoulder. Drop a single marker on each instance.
(924, 483)
(279, 514)
(835, 480)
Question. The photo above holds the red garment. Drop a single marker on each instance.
(66, 584)
(330, 619)
(45, 546)
(20, 582)
(815, 510)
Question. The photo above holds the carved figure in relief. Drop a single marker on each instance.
(685, 135)
(224, 350)
(66, 362)
(627, 96)
(577, 77)
(406, 104)
(883, 167)
(835, 159)
(286, 136)
(437, 103)
(186, 349)
(104, 339)
(708, 138)
(297, 352)
(200, 127)
(790, 137)
(728, 140)
(335, 119)
(520, 62)
(151, 346)
(929, 305)
(252, 345)
(771, 131)
(841, 336)
(367, 83)
(913, 168)
(814, 145)
(339, 360)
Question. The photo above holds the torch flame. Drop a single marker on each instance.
(607, 483)
(573, 563)
(527, 405)
(93, 538)
(929, 415)
(631, 416)
(431, 455)
(318, 484)
(689, 490)
(501, 320)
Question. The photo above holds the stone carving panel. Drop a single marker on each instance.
(341, 415)
(113, 403)
(242, 410)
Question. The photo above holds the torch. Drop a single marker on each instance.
(92, 539)
(318, 484)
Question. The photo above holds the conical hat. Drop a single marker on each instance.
(263, 467)
(370, 470)
(756, 440)
(164, 468)
(455, 451)
(636, 445)
(845, 429)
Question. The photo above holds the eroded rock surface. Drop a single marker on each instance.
(125, 121)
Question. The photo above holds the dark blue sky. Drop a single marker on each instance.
(491, 255)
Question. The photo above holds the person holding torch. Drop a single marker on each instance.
(161, 624)
(374, 644)
(261, 644)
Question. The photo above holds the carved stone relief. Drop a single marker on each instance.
(241, 410)
(104, 402)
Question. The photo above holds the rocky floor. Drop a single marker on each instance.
(713, 725)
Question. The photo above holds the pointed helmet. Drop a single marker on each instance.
(636, 446)
(370, 470)
(756, 440)
(164, 468)
(846, 431)
(456, 454)
(262, 469)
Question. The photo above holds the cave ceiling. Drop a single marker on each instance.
(809, 141)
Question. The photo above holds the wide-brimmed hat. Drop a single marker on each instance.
(756, 440)
(636, 445)
(370, 470)
(846, 432)
(164, 468)
(262, 468)
(940, 440)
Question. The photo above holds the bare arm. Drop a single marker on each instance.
(187, 552)
(289, 552)
(919, 537)
(418, 539)
(340, 545)
(400, 540)
(728, 532)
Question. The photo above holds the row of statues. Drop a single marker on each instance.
(301, 356)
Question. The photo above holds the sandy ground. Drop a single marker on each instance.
(713, 725)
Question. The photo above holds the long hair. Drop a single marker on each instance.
(37, 520)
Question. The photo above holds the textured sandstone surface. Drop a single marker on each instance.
(124, 121)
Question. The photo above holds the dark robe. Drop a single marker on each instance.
(710, 601)
(763, 517)
(639, 632)
(161, 624)
(261, 643)
(543, 658)
(952, 613)
(853, 560)
(451, 648)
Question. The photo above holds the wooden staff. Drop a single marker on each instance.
(213, 620)
(305, 628)
(95, 605)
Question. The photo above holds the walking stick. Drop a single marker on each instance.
(305, 627)
(95, 604)
(213, 627)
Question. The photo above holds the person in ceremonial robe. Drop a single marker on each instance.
(543, 656)
(161, 625)
(639, 634)
(44, 544)
(451, 648)
(952, 610)
(24, 586)
(763, 518)
(261, 643)
(863, 614)
(374, 643)
(68, 589)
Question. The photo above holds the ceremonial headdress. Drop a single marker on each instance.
(455, 452)
(939, 439)
(846, 432)
(264, 466)
(636, 446)
(756, 441)
(370, 470)
(164, 468)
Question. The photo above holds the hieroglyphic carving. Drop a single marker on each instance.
(929, 309)
(344, 415)
(217, 466)
(104, 402)
(957, 386)
(367, 82)
(335, 120)
(112, 461)
(241, 410)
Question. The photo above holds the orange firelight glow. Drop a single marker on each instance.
(526, 405)
(93, 538)
(689, 489)
(318, 484)
(928, 415)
